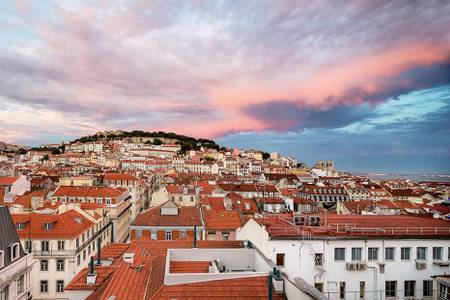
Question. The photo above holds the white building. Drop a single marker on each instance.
(351, 257)
(15, 264)
(61, 244)
(138, 191)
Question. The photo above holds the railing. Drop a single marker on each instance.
(390, 230)
(55, 253)
(339, 229)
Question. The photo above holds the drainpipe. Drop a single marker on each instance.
(195, 237)
(99, 261)
(269, 278)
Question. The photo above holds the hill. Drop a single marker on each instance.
(156, 137)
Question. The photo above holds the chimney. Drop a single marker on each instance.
(195, 237)
(92, 275)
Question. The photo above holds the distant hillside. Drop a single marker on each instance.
(157, 137)
(11, 148)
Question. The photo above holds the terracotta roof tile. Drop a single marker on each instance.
(218, 220)
(240, 288)
(66, 225)
(187, 216)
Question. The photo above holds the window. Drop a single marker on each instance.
(61, 245)
(410, 287)
(182, 234)
(28, 246)
(44, 265)
(77, 242)
(391, 288)
(356, 254)
(60, 286)
(4, 293)
(390, 253)
(362, 289)
(437, 253)
(444, 292)
(339, 254)
(225, 236)
(428, 288)
(20, 225)
(421, 253)
(319, 286)
(84, 254)
(78, 260)
(280, 259)
(318, 259)
(372, 254)
(20, 284)
(45, 246)
(60, 265)
(2, 260)
(342, 290)
(405, 253)
(168, 235)
(14, 251)
(44, 286)
(138, 233)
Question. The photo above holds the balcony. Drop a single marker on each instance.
(58, 253)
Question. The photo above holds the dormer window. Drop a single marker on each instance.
(49, 226)
(14, 251)
(21, 226)
(2, 259)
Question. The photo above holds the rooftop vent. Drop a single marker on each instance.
(128, 258)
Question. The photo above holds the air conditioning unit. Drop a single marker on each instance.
(442, 263)
(421, 265)
(351, 266)
(361, 266)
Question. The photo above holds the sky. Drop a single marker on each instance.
(365, 83)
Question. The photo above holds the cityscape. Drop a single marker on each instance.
(188, 150)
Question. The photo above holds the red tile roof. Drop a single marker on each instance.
(119, 176)
(66, 225)
(240, 288)
(113, 251)
(89, 191)
(189, 266)
(214, 203)
(130, 281)
(187, 216)
(222, 220)
(7, 180)
(79, 282)
(360, 225)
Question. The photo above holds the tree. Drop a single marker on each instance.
(157, 142)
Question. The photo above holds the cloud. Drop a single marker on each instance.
(408, 134)
(213, 68)
(352, 105)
